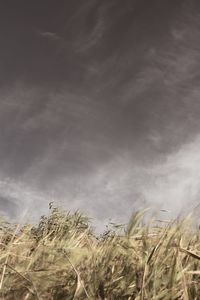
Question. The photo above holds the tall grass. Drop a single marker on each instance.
(62, 258)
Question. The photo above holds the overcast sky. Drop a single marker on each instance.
(100, 106)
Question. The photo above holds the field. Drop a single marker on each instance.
(62, 258)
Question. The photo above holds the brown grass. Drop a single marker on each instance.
(62, 258)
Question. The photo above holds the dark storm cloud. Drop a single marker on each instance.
(100, 103)
(89, 32)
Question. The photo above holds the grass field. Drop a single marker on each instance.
(62, 258)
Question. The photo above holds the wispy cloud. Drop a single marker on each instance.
(89, 40)
(50, 35)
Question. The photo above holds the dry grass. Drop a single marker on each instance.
(62, 258)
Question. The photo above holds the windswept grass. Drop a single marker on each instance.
(62, 258)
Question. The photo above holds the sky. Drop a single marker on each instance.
(99, 107)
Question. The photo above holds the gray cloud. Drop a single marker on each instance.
(121, 128)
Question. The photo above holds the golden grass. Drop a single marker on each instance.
(62, 258)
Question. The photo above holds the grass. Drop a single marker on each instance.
(62, 258)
